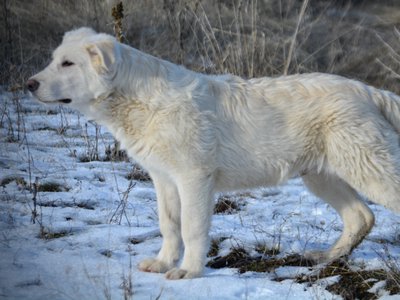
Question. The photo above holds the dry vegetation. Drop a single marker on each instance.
(352, 282)
(249, 38)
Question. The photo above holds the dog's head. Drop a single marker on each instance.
(81, 70)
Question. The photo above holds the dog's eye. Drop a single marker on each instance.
(67, 63)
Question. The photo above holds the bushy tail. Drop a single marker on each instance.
(389, 105)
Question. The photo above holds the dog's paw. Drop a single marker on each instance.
(154, 265)
(176, 273)
(316, 257)
(323, 257)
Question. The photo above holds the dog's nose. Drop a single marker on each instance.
(32, 85)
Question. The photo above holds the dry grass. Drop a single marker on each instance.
(351, 283)
(138, 174)
(240, 259)
(226, 205)
(247, 38)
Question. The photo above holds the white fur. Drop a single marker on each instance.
(197, 134)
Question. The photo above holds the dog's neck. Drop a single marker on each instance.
(143, 86)
(150, 80)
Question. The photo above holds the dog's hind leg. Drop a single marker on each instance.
(169, 216)
(368, 159)
(357, 218)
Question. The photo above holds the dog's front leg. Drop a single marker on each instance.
(169, 217)
(196, 211)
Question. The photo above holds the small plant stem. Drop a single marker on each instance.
(293, 42)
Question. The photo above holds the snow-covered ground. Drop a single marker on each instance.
(76, 249)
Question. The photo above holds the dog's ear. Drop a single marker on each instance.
(103, 54)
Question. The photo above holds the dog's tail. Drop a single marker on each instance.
(389, 105)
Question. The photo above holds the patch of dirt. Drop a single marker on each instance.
(53, 187)
(58, 203)
(28, 283)
(135, 241)
(140, 239)
(265, 250)
(93, 222)
(214, 246)
(225, 205)
(240, 259)
(352, 284)
(49, 235)
(18, 180)
(85, 205)
(138, 174)
(106, 253)
(355, 284)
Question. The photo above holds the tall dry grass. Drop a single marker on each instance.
(245, 37)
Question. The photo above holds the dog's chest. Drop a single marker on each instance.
(147, 136)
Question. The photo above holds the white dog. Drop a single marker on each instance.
(197, 134)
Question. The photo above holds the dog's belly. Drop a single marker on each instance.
(229, 179)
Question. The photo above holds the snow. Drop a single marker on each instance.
(85, 256)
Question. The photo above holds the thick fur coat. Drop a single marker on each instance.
(198, 134)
